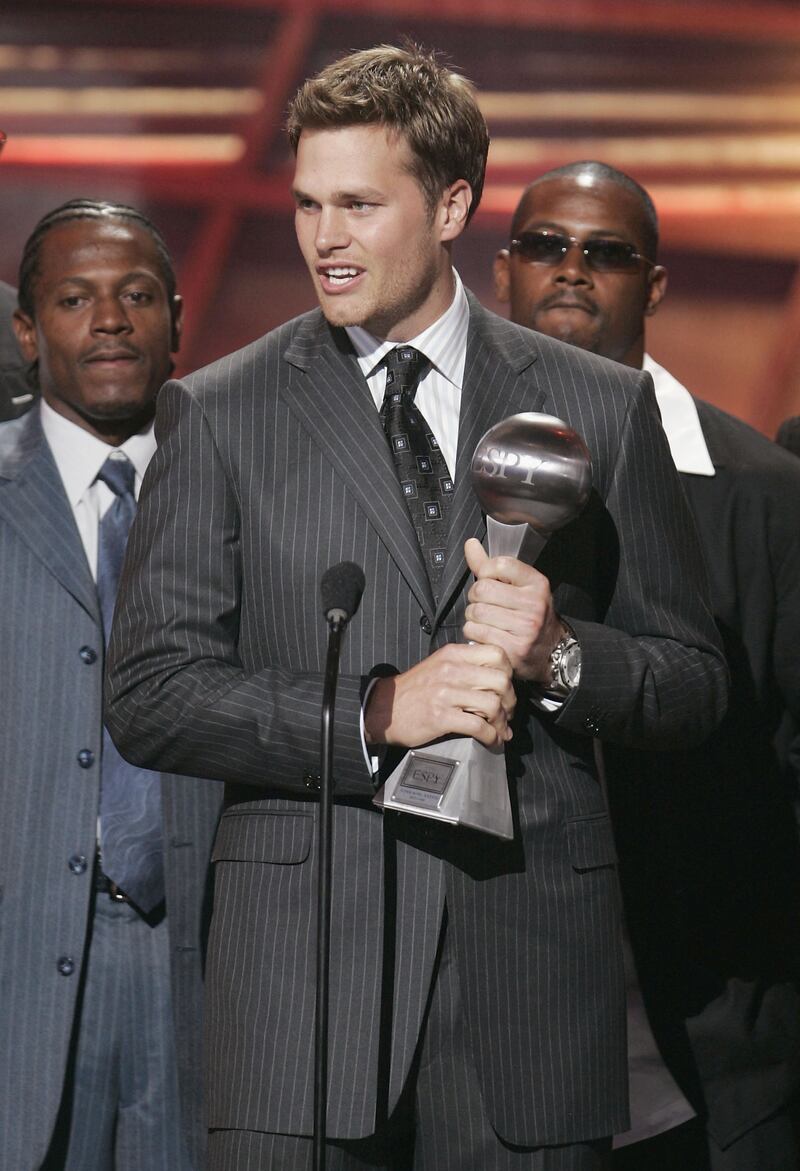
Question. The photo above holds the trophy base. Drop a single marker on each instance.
(459, 782)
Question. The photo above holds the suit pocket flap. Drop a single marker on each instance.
(253, 836)
(590, 841)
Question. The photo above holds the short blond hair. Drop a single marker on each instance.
(409, 92)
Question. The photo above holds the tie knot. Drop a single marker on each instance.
(405, 367)
(119, 474)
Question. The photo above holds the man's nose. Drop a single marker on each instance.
(110, 316)
(331, 230)
(573, 266)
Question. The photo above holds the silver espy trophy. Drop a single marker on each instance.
(532, 475)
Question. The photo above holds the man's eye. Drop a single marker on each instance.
(72, 302)
(138, 297)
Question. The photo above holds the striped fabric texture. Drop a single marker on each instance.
(51, 702)
(271, 467)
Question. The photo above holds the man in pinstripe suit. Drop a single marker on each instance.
(100, 1001)
(476, 985)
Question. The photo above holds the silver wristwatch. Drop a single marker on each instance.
(565, 665)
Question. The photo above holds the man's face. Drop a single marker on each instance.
(374, 247)
(102, 333)
(599, 311)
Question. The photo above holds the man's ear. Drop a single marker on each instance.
(657, 280)
(177, 323)
(454, 209)
(25, 329)
(502, 276)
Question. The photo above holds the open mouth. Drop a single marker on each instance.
(339, 277)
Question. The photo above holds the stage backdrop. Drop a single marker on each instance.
(177, 106)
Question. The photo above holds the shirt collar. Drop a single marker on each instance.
(79, 455)
(680, 422)
(444, 343)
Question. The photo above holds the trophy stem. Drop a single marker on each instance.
(504, 540)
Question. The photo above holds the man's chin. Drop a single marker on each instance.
(337, 312)
(120, 412)
(568, 325)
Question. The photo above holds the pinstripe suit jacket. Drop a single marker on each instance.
(272, 466)
(50, 699)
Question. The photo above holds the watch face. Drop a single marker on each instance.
(570, 666)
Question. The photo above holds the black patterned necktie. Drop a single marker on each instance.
(131, 836)
(424, 479)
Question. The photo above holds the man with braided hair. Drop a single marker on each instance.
(102, 866)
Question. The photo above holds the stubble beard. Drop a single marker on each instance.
(399, 302)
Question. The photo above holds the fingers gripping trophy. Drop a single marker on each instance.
(532, 475)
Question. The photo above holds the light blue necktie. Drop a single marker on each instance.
(131, 835)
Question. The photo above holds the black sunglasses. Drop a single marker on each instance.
(601, 255)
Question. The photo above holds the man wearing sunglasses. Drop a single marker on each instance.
(708, 850)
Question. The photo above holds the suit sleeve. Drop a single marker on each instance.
(653, 672)
(178, 696)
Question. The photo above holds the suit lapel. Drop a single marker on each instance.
(497, 383)
(329, 395)
(33, 502)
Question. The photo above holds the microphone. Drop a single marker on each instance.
(341, 587)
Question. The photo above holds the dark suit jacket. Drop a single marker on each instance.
(273, 466)
(17, 387)
(709, 855)
(50, 699)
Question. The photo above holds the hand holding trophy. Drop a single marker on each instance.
(532, 475)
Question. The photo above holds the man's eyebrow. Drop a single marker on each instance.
(136, 274)
(365, 194)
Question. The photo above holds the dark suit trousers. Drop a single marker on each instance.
(445, 1125)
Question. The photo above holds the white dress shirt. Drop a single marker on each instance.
(79, 456)
(680, 422)
(438, 395)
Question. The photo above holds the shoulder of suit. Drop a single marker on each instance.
(235, 368)
(513, 340)
(757, 463)
(10, 356)
(17, 437)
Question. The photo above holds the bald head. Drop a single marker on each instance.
(588, 173)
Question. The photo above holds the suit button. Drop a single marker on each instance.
(85, 758)
(77, 864)
(88, 655)
(312, 781)
(425, 623)
(65, 965)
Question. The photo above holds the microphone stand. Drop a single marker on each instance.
(337, 621)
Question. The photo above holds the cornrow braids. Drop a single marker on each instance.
(87, 209)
